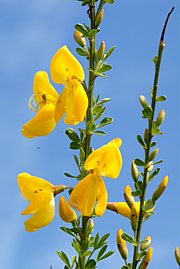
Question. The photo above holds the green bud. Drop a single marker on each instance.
(134, 171)
(177, 255)
(99, 18)
(91, 225)
(160, 189)
(101, 50)
(134, 218)
(145, 245)
(143, 101)
(153, 154)
(80, 40)
(146, 135)
(160, 118)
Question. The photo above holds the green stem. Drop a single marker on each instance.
(148, 145)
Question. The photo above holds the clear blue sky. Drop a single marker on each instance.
(30, 33)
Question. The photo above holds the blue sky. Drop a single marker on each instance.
(30, 33)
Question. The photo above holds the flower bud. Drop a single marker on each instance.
(134, 171)
(66, 213)
(160, 189)
(111, 206)
(150, 166)
(177, 255)
(59, 188)
(128, 196)
(99, 18)
(160, 118)
(146, 259)
(80, 40)
(146, 135)
(90, 225)
(153, 154)
(145, 245)
(121, 244)
(134, 218)
(143, 101)
(101, 50)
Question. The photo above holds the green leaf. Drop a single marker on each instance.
(93, 32)
(82, 155)
(104, 100)
(105, 121)
(82, 52)
(64, 258)
(147, 112)
(76, 246)
(139, 162)
(74, 145)
(155, 130)
(110, 1)
(99, 133)
(158, 162)
(71, 176)
(161, 98)
(76, 160)
(104, 68)
(73, 261)
(148, 215)
(155, 59)
(101, 252)
(125, 267)
(136, 193)
(108, 254)
(91, 126)
(67, 230)
(109, 52)
(149, 204)
(102, 241)
(140, 140)
(72, 135)
(99, 112)
(86, 253)
(91, 264)
(96, 239)
(153, 144)
(127, 238)
(141, 254)
(82, 29)
(154, 173)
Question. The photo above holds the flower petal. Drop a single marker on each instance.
(123, 209)
(30, 184)
(107, 159)
(41, 218)
(66, 213)
(83, 196)
(64, 65)
(42, 124)
(76, 103)
(43, 90)
(60, 106)
(38, 201)
(102, 199)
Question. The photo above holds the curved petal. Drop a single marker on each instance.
(38, 201)
(41, 218)
(123, 209)
(42, 124)
(83, 196)
(66, 213)
(43, 90)
(107, 159)
(102, 199)
(76, 103)
(29, 185)
(60, 106)
(64, 65)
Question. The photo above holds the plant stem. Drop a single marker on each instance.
(89, 119)
(148, 145)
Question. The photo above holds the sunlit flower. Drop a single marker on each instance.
(66, 213)
(40, 193)
(105, 161)
(73, 102)
(43, 102)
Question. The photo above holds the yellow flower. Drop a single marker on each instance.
(66, 213)
(65, 69)
(40, 194)
(44, 102)
(85, 194)
(105, 161)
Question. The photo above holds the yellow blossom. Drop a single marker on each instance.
(66, 213)
(44, 102)
(105, 161)
(40, 194)
(65, 69)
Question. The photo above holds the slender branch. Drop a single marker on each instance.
(148, 146)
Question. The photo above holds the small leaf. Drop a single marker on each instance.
(67, 230)
(91, 264)
(102, 241)
(74, 145)
(148, 215)
(82, 52)
(99, 113)
(104, 68)
(155, 59)
(110, 1)
(147, 112)
(139, 162)
(140, 140)
(101, 252)
(99, 133)
(141, 254)
(96, 239)
(136, 193)
(71, 176)
(108, 254)
(104, 100)
(86, 253)
(74, 258)
(72, 135)
(105, 121)
(153, 144)
(82, 29)
(76, 160)
(109, 52)
(155, 172)
(64, 258)
(158, 162)
(127, 238)
(161, 98)
(149, 204)
(155, 130)
(125, 267)
(91, 126)
(93, 32)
